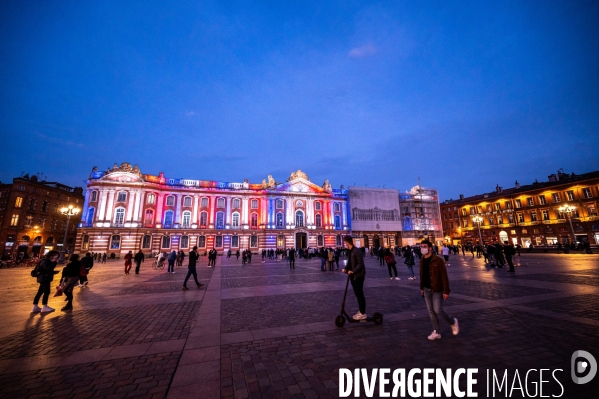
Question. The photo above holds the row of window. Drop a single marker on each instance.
(220, 202)
(166, 242)
(32, 204)
(545, 216)
(14, 221)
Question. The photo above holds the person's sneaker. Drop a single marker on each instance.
(391, 278)
(448, 264)
(173, 272)
(47, 309)
(359, 316)
(200, 285)
(66, 308)
(185, 288)
(397, 278)
(455, 327)
(434, 335)
(36, 309)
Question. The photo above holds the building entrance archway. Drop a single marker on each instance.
(301, 240)
(366, 241)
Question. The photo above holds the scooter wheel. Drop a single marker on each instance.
(378, 318)
(339, 321)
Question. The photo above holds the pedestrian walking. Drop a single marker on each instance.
(356, 270)
(70, 276)
(191, 269)
(409, 262)
(434, 287)
(87, 262)
(138, 258)
(331, 258)
(45, 275)
(128, 262)
(445, 253)
(291, 258)
(390, 261)
(104, 257)
(509, 251)
(172, 257)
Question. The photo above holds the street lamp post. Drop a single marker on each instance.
(68, 212)
(568, 209)
(478, 220)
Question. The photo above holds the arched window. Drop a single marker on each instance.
(337, 207)
(202, 242)
(203, 219)
(337, 222)
(318, 219)
(121, 196)
(218, 241)
(187, 201)
(320, 241)
(170, 200)
(90, 215)
(220, 203)
(281, 241)
(85, 242)
(254, 221)
(115, 242)
(317, 206)
(149, 218)
(37, 239)
(186, 221)
(279, 204)
(236, 203)
(299, 219)
(235, 222)
(254, 204)
(168, 219)
(220, 220)
(151, 198)
(204, 201)
(94, 196)
(50, 241)
(146, 241)
(280, 223)
(166, 242)
(235, 241)
(184, 243)
(119, 216)
(338, 240)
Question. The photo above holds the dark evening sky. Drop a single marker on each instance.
(464, 94)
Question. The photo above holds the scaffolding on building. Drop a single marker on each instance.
(420, 213)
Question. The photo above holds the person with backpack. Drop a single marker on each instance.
(45, 274)
(390, 261)
(87, 262)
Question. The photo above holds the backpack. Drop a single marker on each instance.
(35, 272)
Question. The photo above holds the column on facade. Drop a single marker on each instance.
(102, 199)
(244, 211)
(159, 205)
(228, 200)
(344, 211)
(310, 211)
(289, 204)
(110, 206)
(271, 212)
(211, 210)
(264, 210)
(130, 202)
(332, 215)
(85, 210)
(178, 200)
(194, 220)
(139, 206)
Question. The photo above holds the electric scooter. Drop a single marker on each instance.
(340, 320)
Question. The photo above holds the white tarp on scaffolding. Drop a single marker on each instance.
(374, 209)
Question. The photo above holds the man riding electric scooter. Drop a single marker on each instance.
(357, 272)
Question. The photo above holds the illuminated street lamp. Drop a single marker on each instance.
(68, 212)
(478, 220)
(568, 209)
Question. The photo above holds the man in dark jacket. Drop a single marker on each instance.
(191, 269)
(357, 272)
(87, 262)
(434, 287)
(509, 251)
(138, 258)
(292, 258)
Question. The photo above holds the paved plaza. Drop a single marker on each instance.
(262, 330)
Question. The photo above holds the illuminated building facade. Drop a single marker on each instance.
(30, 217)
(560, 210)
(420, 216)
(126, 210)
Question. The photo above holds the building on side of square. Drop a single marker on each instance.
(126, 210)
(528, 214)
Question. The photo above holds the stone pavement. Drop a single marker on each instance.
(262, 330)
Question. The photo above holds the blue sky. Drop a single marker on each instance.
(464, 94)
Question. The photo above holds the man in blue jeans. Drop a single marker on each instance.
(191, 269)
(434, 286)
(357, 272)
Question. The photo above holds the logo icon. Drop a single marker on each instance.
(580, 366)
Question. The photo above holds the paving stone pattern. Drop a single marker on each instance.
(141, 377)
(260, 312)
(488, 290)
(561, 278)
(580, 305)
(101, 328)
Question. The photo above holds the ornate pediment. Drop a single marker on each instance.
(298, 175)
(300, 185)
(123, 173)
